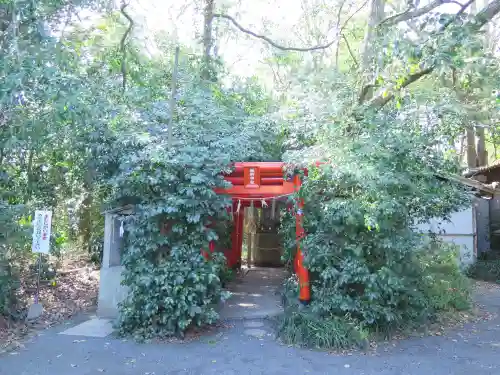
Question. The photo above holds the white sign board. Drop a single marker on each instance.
(41, 232)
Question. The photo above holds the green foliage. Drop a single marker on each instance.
(13, 250)
(172, 286)
(71, 137)
(366, 259)
(55, 115)
(440, 287)
(445, 285)
(307, 329)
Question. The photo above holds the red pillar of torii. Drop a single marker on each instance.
(260, 182)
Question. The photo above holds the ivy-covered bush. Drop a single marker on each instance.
(171, 285)
(369, 266)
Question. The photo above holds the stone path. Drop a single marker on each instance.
(248, 348)
(255, 294)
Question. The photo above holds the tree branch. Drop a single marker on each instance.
(339, 14)
(285, 48)
(364, 92)
(482, 18)
(122, 43)
(386, 94)
(350, 51)
(340, 32)
(408, 14)
(15, 30)
(337, 49)
(459, 13)
(486, 14)
(270, 41)
(352, 15)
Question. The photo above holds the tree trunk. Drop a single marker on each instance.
(471, 148)
(207, 38)
(85, 224)
(367, 51)
(461, 150)
(29, 172)
(376, 16)
(489, 31)
(482, 155)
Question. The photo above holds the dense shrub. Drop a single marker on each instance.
(14, 253)
(368, 265)
(444, 285)
(171, 285)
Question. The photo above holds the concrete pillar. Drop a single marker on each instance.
(111, 292)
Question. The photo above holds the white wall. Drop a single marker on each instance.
(461, 230)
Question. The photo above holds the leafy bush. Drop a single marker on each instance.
(171, 285)
(14, 253)
(444, 285)
(365, 257)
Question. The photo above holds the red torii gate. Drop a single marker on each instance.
(260, 182)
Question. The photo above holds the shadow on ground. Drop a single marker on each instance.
(255, 294)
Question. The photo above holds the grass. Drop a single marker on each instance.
(305, 329)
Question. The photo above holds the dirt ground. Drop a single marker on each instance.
(74, 291)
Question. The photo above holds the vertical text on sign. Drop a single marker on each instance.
(41, 232)
(252, 177)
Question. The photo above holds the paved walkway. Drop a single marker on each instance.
(249, 348)
(255, 294)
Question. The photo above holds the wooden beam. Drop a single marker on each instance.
(471, 183)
